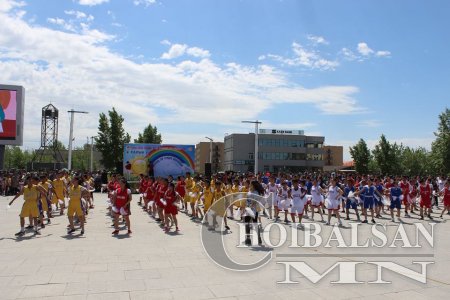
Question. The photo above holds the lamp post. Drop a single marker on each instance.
(92, 153)
(72, 113)
(210, 148)
(255, 156)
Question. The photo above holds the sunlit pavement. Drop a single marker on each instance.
(150, 264)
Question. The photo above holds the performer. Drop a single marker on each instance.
(142, 188)
(59, 190)
(208, 197)
(316, 199)
(284, 199)
(45, 205)
(149, 195)
(171, 197)
(332, 201)
(271, 194)
(350, 202)
(188, 183)
(122, 200)
(395, 194)
(425, 198)
(445, 192)
(368, 192)
(251, 211)
(405, 186)
(76, 194)
(298, 194)
(30, 206)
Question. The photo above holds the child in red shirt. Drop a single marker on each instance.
(171, 197)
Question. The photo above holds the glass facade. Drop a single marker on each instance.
(281, 156)
(281, 143)
(288, 143)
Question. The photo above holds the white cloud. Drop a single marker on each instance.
(177, 50)
(305, 58)
(144, 2)
(383, 53)
(348, 54)
(92, 2)
(166, 42)
(88, 75)
(318, 40)
(79, 15)
(363, 52)
(61, 22)
(364, 49)
(8, 5)
(198, 52)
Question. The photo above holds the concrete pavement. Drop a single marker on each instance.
(150, 264)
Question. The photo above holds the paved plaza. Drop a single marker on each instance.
(150, 264)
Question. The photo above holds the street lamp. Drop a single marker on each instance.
(92, 153)
(210, 148)
(255, 156)
(72, 112)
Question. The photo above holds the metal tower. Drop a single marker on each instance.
(49, 136)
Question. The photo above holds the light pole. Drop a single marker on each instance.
(255, 156)
(210, 148)
(92, 153)
(72, 112)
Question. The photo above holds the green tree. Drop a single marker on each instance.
(361, 156)
(440, 149)
(415, 161)
(111, 138)
(373, 166)
(81, 158)
(59, 145)
(149, 136)
(388, 156)
(16, 158)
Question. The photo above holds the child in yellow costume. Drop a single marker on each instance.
(30, 206)
(188, 186)
(59, 190)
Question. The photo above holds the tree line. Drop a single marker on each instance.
(111, 138)
(389, 158)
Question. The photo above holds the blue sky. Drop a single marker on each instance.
(342, 69)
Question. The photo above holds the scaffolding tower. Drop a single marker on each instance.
(49, 138)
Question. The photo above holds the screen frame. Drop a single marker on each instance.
(20, 100)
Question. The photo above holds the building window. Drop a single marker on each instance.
(310, 156)
(251, 156)
(282, 156)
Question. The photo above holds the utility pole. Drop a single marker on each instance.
(255, 156)
(92, 153)
(210, 148)
(72, 113)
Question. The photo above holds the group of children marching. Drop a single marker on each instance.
(295, 197)
(226, 197)
(44, 197)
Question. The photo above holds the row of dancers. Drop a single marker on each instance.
(298, 197)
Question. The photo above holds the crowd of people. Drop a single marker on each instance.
(292, 196)
(240, 197)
